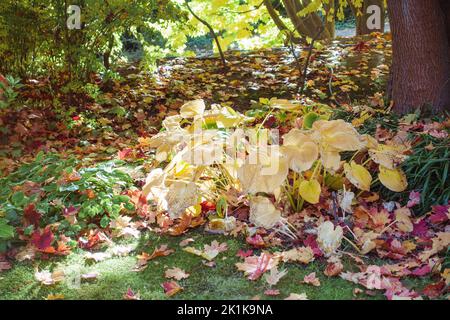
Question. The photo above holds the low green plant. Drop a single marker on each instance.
(53, 185)
(427, 170)
(9, 91)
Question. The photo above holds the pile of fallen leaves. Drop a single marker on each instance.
(313, 201)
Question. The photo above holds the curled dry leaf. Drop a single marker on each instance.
(97, 256)
(255, 266)
(185, 242)
(275, 276)
(176, 273)
(296, 296)
(312, 279)
(171, 288)
(329, 238)
(272, 292)
(334, 268)
(303, 255)
(131, 295)
(263, 213)
(209, 252)
(49, 278)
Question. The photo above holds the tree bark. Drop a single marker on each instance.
(330, 21)
(421, 67)
(307, 26)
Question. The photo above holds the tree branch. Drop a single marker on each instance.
(211, 31)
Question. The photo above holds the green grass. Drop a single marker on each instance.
(222, 282)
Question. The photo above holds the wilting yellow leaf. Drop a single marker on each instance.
(310, 191)
(387, 156)
(301, 158)
(263, 213)
(192, 109)
(328, 237)
(331, 160)
(358, 175)
(394, 180)
(259, 178)
(337, 135)
(404, 223)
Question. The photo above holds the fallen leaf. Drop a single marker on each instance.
(296, 296)
(275, 276)
(171, 288)
(176, 273)
(312, 279)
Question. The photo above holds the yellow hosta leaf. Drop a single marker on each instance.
(194, 211)
(295, 137)
(301, 158)
(331, 160)
(358, 175)
(263, 213)
(310, 191)
(336, 135)
(394, 180)
(265, 177)
(284, 104)
(387, 155)
(192, 109)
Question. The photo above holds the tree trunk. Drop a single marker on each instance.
(330, 20)
(363, 16)
(421, 67)
(307, 26)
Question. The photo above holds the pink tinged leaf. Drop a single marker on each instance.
(272, 292)
(422, 271)
(244, 254)
(440, 214)
(414, 199)
(125, 153)
(420, 229)
(311, 242)
(42, 240)
(32, 217)
(256, 241)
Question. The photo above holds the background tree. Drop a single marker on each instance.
(34, 37)
(362, 15)
(421, 55)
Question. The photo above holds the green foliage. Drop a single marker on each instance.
(34, 36)
(9, 92)
(54, 184)
(428, 171)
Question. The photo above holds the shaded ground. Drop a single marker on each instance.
(92, 122)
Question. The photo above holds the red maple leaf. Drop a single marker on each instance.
(256, 241)
(434, 290)
(124, 154)
(311, 242)
(244, 254)
(31, 216)
(42, 241)
(208, 206)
